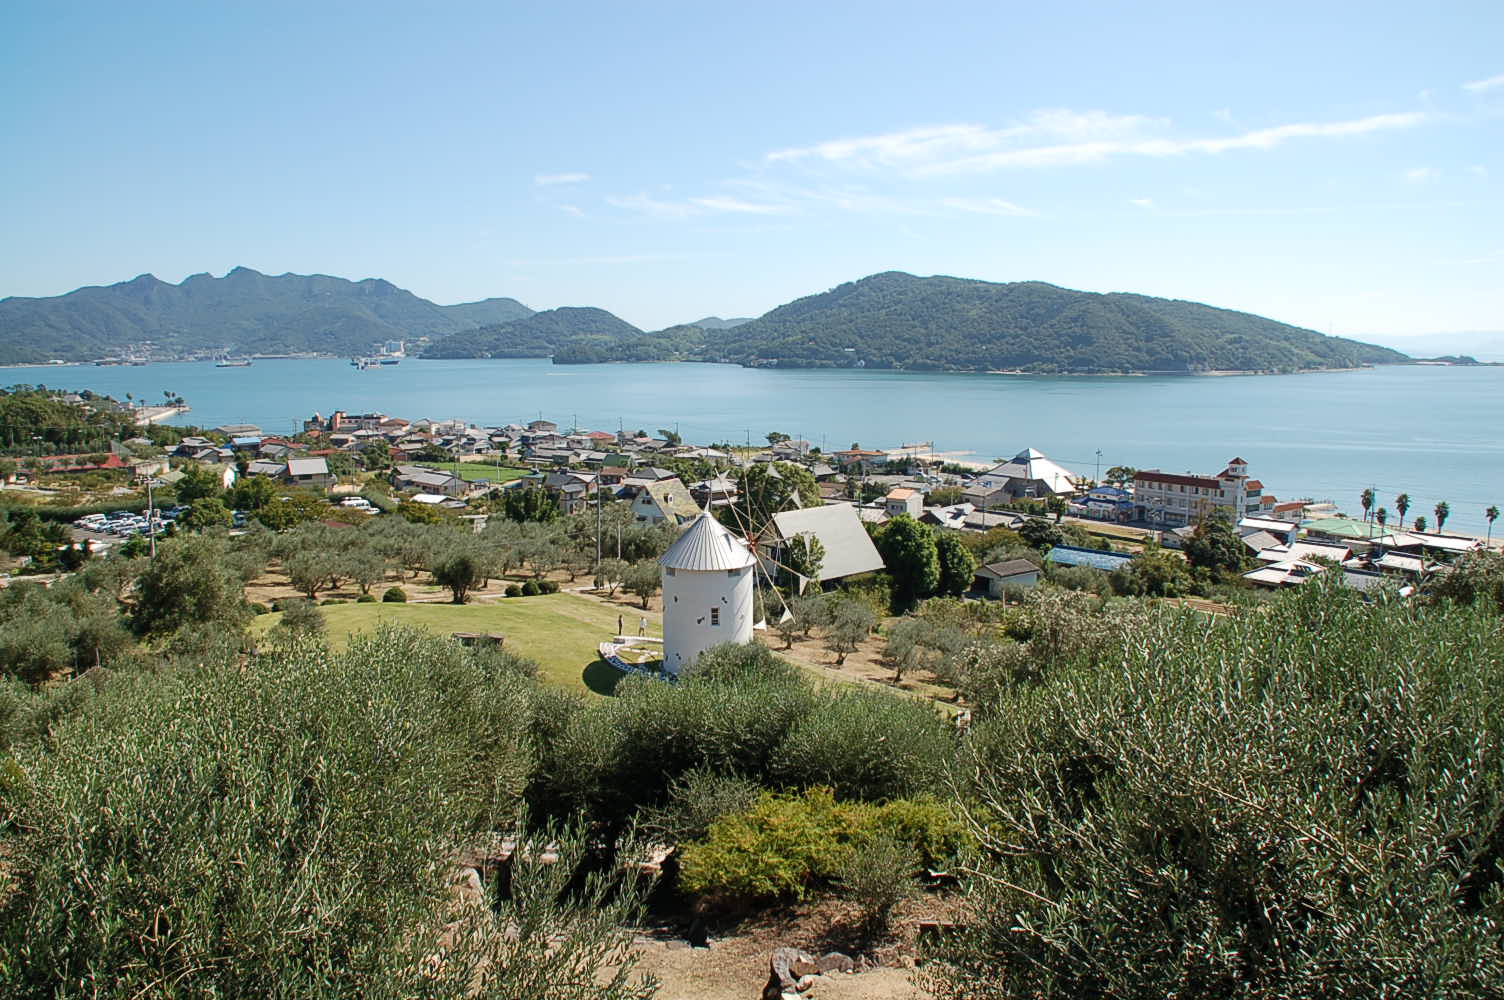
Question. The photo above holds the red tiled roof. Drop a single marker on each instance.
(1237, 461)
(1254, 484)
(1170, 479)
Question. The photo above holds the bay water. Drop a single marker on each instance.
(1431, 432)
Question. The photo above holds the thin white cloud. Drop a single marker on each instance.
(1478, 86)
(987, 206)
(544, 180)
(1478, 170)
(647, 205)
(1092, 152)
(703, 205)
(1142, 202)
(918, 146)
(725, 204)
(1421, 175)
(574, 210)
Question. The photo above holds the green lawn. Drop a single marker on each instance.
(560, 631)
(472, 472)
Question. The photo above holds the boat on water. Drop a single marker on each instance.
(390, 361)
(233, 363)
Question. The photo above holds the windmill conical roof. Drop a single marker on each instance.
(706, 545)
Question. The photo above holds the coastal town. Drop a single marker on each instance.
(463, 470)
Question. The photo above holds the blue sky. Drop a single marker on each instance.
(1333, 165)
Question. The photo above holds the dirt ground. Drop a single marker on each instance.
(735, 966)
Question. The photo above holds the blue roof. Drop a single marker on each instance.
(1069, 555)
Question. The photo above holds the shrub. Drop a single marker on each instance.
(695, 801)
(257, 608)
(531, 589)
(514, 590)
(777, 849)
(394, 595)
(928, 826)
(366, 599)
(548, 586)
(1302, 802)
(877, 877)
(866, 745)
(332, 600)
(281, 831)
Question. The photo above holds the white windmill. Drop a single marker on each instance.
(709, 575)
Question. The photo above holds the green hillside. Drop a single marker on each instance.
(539, 335)
(244, 312)
(896, 320)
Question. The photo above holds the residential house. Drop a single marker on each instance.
(1171, 499)
(238, 430)
(267, 467)
(903, 500)
(848, 548)
(953, 516)
(995, 578)
(426, 480)
(570, 490)
(665, 500)
(1104, 503)
(717, 492)
(312, 472)
(859, 460)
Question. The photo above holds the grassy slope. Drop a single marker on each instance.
(560, 631)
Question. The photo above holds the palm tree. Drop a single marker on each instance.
(1381, 516)
(1402, 504)
(1367, 501)
(1441, 511)
(1493, 515)
(1420, 524)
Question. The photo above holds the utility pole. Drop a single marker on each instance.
(1099, 466)
(598, 519)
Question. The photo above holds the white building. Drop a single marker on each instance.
(1170, 499)
(708, 578)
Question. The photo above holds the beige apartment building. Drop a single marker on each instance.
(1175, 500)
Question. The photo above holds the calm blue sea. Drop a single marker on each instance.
(1431, 432)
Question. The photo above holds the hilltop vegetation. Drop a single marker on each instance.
(537, 335)
(244, 312)
(890, 320)
(896, 320)
(899, 320)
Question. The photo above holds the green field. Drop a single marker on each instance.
(472, 472)
(560, 631)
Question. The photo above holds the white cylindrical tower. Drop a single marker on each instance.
(708, 578)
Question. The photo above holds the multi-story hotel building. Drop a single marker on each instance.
(1174, 500)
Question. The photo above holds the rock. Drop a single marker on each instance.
(792, 971)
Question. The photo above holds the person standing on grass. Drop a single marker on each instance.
(642, 626)
(620, 625)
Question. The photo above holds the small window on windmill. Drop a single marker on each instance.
(715, 616)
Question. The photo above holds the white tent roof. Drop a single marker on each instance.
(707, 546)
(848, 548)
(1030, 464)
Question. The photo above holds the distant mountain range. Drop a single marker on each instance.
(890, 320)
(244, 312)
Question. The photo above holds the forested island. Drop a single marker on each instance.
(896, 320)
(890, 321)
